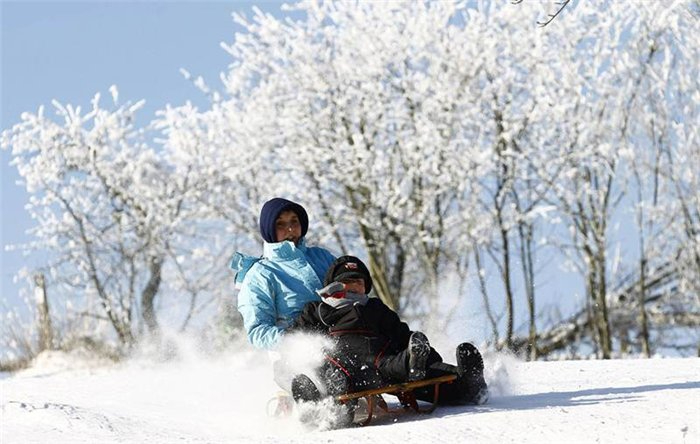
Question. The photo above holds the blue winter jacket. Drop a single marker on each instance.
(275, 288)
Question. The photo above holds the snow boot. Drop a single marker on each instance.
(418, 351)
(469, 360)
(471, 372)
(336, 381)
(304, 389)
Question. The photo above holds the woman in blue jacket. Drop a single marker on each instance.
(275, 288)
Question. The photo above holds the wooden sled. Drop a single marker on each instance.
(403, 391)
(283, 404)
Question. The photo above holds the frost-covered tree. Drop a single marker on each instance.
(423, 136)
(364, 109)
(109, 213)
(513, 119)
(78, 173)
(417, 132)
(627, 81)
(667, 162)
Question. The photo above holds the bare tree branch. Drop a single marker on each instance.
(562, 4)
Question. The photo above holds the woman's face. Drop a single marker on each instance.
(288, 227)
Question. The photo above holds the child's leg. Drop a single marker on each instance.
(410, 364)
(469, 387)
(351, 373)
(394, 367)
(450, 393)
(418, 353)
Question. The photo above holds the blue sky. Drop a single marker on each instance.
(69, 51)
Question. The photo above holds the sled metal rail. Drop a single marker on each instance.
(403, 391)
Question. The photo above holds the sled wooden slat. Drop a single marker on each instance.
(396, 388)
(403, 391)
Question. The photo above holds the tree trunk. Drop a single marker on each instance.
(508, 287)
(382, 277)
(122, 328)
(591, 306)
(601, 308)
(526, 254)
(504, 177)
(485, 296)
(149, 294)
(380, 281)
(378, 270)
(644, 324)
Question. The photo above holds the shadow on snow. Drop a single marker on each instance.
(542, 400)
(576, 398)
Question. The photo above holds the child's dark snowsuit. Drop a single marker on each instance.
(371, 343)
(369, 336)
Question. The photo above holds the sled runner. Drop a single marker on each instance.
(373, 397)
(403, 391)
(280, 405)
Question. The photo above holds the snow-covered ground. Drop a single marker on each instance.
(223, 400)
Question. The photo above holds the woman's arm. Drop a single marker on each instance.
(256, 303)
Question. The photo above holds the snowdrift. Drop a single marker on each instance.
(223, 400)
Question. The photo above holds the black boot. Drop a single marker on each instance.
(336, 381)
(418, 351)
(471, 372)
(304, 389)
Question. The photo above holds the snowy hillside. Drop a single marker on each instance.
(224, 400)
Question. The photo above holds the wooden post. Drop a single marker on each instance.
(42, 302)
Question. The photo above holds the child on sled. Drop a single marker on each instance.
(373, 347)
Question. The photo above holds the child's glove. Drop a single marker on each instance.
(332, 290)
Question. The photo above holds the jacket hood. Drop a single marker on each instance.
(272, 209)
